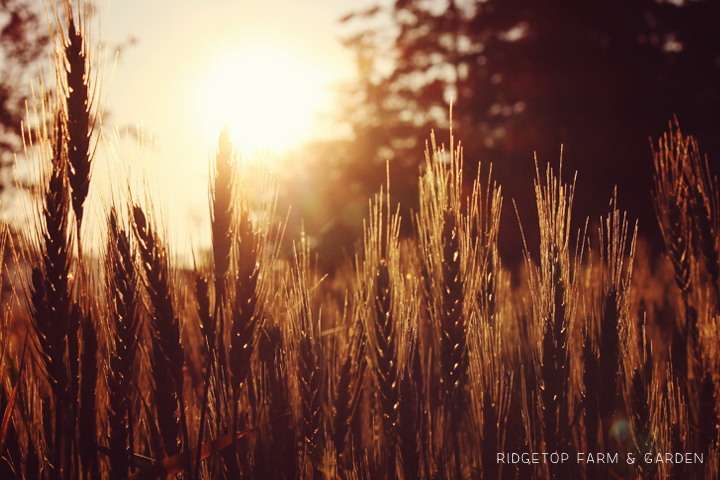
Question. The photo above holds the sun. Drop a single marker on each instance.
(266, 94)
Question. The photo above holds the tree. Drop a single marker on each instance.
(598, 77)
(23, 40)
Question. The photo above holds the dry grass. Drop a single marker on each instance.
(421, 361)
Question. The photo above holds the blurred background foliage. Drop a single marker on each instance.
(599, 78)
(24, 38)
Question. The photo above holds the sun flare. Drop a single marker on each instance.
(265, 94)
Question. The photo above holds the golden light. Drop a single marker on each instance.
(266, 95)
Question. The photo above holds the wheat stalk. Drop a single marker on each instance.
(50, 290)
(671, 206)
(303, 333)
(704, 206)
(123, 300)
(73, 64)
(348, 389)
(168, 356)
(213, 322)
(222, 236)
(446, 253)
(554, 299)
(388, 315)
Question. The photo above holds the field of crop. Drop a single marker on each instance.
(422, 360)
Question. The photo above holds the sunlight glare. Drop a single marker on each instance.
(266, 95)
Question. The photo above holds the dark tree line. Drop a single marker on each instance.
(525, 76)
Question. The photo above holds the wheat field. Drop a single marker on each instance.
(422, 359)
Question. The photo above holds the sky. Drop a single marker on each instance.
(160, 82)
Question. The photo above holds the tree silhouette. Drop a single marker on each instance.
(526, 76)
(24, 38)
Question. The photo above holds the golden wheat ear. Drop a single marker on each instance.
(168, 356)
(68, 337)
(554, 292)
(348, 389)
(688, 206)
(303, 333)
(675, 204)
(79, 87)
(704, 205)
(50, 289)
(78, 121)
(384, 308)
(446, 253)
(222, 210)
(124, 302)
(213, 318)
